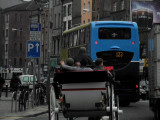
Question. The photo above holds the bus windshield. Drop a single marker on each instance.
(114, 33)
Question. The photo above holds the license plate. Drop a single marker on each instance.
(30, 86)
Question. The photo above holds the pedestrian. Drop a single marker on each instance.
(83, 55)
(15, 82)
(2, 81)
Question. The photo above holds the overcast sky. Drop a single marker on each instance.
(9, 3)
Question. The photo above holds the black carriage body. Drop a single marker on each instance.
(83, 77)
(80, 77)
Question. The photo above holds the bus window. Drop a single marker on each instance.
(114, 33)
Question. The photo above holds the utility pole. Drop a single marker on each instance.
(49, 40)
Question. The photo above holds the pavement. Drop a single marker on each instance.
(5, 109)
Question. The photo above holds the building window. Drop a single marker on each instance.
(16, 17)
(55, 21)
(15, 34)
(6, 18)
(6, 32)
(59, 20)
(20, 62)
(64, 26)
(6, 61)
(3, 33)
(122, 5)
(58, 45)
(69, 9)
(64, 11)
(89, 6)
(58, 2)
(15, 47)
(69, 24)
(20, 46)
(88, 20)
(84, 6)
(54, 51)
(115, 7)
(83, 21)
(21, 33)
(15, 61)
(20, 17)
(6, 48)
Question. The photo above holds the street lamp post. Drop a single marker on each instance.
(87, 10)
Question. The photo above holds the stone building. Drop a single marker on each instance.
(15, 34)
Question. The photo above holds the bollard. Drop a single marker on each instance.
(6, 90)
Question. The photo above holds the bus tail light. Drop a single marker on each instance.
(133, 42)
(96, 42)
(136, 86)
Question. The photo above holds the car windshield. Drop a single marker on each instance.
(26, 79)
(31, 79)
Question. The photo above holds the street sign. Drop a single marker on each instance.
(53, 62)
(33, 49)
(35, 32)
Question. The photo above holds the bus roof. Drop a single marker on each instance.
(101, 23)
(76, 28)
(114, 23)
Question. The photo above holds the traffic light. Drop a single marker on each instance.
(9, 70)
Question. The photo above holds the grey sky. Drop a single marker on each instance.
(9, 3)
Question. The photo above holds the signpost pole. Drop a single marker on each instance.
(33, 51)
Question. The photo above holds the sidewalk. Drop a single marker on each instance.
(5, 109)
(31, 112)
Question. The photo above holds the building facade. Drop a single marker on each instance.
(16, 33)
(1, 39)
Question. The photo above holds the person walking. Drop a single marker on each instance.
(2, 81)
(15, 82)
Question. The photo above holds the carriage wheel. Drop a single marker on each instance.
(53, 113)
(114, 102)
(117, 104)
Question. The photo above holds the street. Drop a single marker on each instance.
(136, 111)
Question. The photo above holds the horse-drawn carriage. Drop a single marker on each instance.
(84, 94)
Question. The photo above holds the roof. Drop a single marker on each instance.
(26, 6)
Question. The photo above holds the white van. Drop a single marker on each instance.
(27, 80)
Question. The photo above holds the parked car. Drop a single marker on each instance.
(27, 80)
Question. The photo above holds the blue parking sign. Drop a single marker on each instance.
(33, 49)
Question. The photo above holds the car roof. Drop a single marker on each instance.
(25, 75)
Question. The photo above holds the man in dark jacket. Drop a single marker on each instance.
(15, 82)
(83, 56)
(2, 81)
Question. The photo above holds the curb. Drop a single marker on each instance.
(28, 113)
(37, 114)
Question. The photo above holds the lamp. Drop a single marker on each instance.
(87, 10)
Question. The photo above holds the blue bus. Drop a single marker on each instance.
(117, 43)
